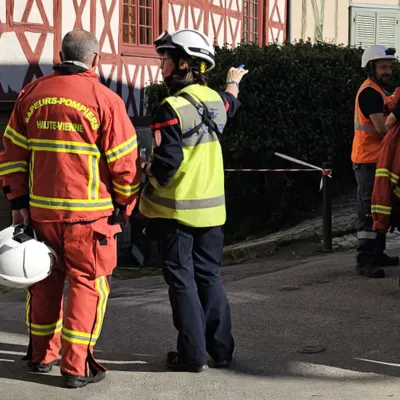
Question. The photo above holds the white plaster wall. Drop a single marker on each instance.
(330, 18)
(100, 23)
(175, 10)
(69, 16)
(2, 11)
(214, 19)
(278, 34)
(12, 57)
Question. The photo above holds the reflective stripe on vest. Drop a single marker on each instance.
(359, 127)
(195, 195)
(182, 204)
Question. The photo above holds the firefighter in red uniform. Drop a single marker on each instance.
(70, 165)
(385, 205)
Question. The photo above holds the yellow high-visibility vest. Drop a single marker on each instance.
(195, 196)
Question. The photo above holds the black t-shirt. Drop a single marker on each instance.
(370, 102)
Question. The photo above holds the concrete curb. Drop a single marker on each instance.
(262, 248)
(344, 222)
(267, 246)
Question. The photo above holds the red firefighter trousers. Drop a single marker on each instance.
(87, 256)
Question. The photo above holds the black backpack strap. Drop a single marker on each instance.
(204, 114)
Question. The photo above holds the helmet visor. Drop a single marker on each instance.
(164, 42)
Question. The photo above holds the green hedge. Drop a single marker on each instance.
(297, 99)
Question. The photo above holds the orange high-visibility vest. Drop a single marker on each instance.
(367, 141)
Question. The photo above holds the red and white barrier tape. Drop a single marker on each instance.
(325, 172)
(270, 170)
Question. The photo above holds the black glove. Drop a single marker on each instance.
(119, 215)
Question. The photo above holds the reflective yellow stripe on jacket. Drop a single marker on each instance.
(68, 204)
(379, 209)
(127, 190)
(394, 179)
(12, 167)
(16, 138)
(385, 173)
(121, 150)
(92, 202)
(63, 146)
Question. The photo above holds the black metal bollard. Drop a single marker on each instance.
(327, 207)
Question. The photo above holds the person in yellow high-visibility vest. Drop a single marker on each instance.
(185, 198)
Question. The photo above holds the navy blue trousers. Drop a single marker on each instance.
(201, 314)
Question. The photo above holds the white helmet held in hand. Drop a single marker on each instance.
(192, 42)
(377, 52)
(23, 259)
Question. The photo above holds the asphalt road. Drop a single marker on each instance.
(304, 329)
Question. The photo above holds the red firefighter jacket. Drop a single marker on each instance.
(385, 206)
(70, 148)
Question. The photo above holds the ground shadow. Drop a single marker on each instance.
(348, 317)
(13, 367)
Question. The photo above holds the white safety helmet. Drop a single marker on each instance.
(192, 42)
(377, 52)
(23, 259)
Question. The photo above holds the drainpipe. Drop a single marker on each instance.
(288, 20)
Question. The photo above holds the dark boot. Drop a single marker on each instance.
(75, 382)
(220, 363)
(381, 267)
(174, 362)
(41, 368)
(370, 271)
(372, 260)
(383, 260)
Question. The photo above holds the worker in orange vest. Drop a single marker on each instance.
(70, 168)
(369, 127)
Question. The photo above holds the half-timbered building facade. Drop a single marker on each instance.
(31, 33)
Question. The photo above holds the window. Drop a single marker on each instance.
(369, 26)
(138, 22)
(250, 21)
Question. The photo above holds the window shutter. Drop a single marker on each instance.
(387, 29)
(371, 26)
(365, 26)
